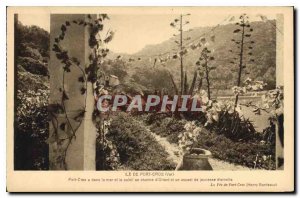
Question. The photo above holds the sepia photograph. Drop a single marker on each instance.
(173, 90)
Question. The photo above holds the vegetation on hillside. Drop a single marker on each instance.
(32, 93)
(137, 149)
(224, 77)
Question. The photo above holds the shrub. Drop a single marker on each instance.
(245, 153)
(151, 118)
(107, 157)
(168, 127)
(268, 134)
(31, 130)
(234, 126)
(138, 150)
(27, 81)
(33, 66)
(28, 51)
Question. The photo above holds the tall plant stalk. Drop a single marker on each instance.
(243, 45)
(205, 68)
(241, 61)
(178, 24)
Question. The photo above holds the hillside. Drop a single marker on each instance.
(263, 52)
(32, 93)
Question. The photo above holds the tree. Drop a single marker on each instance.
(244, 47)
(154, 79)
(116, 67)
(33, 37)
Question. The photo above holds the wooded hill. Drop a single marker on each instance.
(263, 53)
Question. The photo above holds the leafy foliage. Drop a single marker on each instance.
(224, 118)
(138, 150)
(107, 156)
(251, 153)
(189, 136)
(117, 68)
(31, 129)
(32, 38)
(32, 92)
(153, 80)
(166, 126)
(33, 65)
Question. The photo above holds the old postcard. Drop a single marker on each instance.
(150, 99)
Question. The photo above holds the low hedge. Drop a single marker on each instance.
(168, 127)
(237, 152)
(137, 148)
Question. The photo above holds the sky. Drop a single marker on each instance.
(134, 32)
